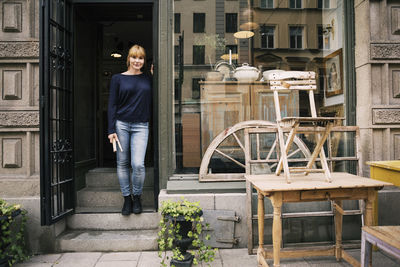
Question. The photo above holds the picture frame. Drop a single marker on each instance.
(333, 66)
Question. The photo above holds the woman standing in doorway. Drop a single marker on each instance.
(129, 112)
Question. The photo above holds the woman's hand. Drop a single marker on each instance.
(152, 69)
(112, 136)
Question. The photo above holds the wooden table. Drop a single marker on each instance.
(386, 238)
(313, 187)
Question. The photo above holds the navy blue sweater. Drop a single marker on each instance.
(129, 100)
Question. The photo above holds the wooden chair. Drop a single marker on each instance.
(283, 81)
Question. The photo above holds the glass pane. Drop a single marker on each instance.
(211, 95)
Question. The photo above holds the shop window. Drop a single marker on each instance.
(207, 103)
(177, 21)
(199, 22)
(267, 3)
(295, 4)
(323, 3)
(231, 22)
(196, 88)
(296, 37)
(198, 54)
(267, 36)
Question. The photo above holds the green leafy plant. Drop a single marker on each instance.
(212, 41)
(12, 230)
(170, 233)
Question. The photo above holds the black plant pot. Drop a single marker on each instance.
(185, 242)
(4, 262)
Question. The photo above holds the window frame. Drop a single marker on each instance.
(194, 54)
(323, 4)
(273, 36)
(199, 26)
(234, 28)
(324, 47)
(295, 4)
(177, 28)
(302, 36)
(266, 4)
(197, 87)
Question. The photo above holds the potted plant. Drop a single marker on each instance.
(12, 241)
(180, 229)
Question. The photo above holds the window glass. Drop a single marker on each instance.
(199, 22)
(323, 3)
(196, 87)
(267, 3)
(210, 95)
(267, 36)
(177, 23)
(231, 22)
(295, 4)
(198, 54)
(296, 36)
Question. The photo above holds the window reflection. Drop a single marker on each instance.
(216, 39)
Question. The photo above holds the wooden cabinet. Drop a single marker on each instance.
(224, 104)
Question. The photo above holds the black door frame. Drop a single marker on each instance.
(47, 218)
(56, 111)
(155, 22)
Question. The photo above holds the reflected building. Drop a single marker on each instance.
(266, 34)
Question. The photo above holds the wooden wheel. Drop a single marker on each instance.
(227, 151)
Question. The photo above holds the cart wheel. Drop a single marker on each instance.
(227, 151)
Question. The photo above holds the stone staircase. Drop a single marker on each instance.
(98, 224)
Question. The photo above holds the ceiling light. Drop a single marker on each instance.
(243, 34)
(116, 55)
(248, 26)
(233, 56)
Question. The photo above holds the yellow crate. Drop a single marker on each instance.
(387, 171)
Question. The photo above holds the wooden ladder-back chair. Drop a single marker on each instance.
(283, 81)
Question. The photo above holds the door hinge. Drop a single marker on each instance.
(229, 218)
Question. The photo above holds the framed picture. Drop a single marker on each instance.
(333, 66)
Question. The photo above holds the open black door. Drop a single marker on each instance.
(56, 111)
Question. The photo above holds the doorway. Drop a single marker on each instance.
(101, 30)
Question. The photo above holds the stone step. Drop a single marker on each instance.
(109, 197)
(107, 177)
(113, 221)
(110, 209)
(105, 241)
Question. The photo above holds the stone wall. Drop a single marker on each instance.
(19, 103)
(378, 79)
(19, 115)
(377, 57)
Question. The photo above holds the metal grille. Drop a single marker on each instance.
(57, 169)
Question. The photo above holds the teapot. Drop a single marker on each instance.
(246, 73)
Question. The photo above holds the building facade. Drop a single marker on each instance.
(353, 46)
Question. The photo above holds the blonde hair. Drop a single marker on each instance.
(136, 51)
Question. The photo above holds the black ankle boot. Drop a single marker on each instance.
(137, 205)
(127, 208)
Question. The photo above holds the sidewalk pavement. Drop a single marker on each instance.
(224, 258)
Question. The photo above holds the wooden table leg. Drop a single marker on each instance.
(369, 204)
(276, 200)
(369, 215)
(260, 216)
(338, 228)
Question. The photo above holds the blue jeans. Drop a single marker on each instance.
(133, 138)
